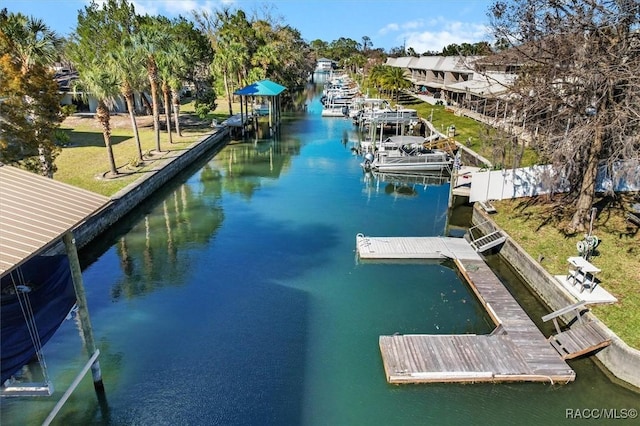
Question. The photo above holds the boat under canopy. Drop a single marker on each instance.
(39, 293)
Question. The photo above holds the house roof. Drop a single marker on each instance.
(36, 211)
(261, 88)
(485, 85)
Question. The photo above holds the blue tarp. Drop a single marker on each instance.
(52, 296)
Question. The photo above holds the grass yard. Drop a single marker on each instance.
(473, 134)
(536, 225)
(84, 161)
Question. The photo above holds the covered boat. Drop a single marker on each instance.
(35, 299)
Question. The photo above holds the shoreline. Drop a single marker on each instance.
(619, 359)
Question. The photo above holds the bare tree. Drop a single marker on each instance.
(578, 84)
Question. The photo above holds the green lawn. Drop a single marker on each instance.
(84, 161)
(536, 224)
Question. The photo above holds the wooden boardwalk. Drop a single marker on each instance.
(515, 351)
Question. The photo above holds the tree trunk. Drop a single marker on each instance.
(147, 106)
(588, 187)
(228, 90)
(103, 117)
(46, 166)
(175, 97)
(167, 109)
(128, 96)
(153, 81)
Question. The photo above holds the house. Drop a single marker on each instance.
(324, 65)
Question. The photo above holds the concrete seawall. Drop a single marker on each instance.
(619, 358)
(125, 200)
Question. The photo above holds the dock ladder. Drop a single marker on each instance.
(485, 242)
(581, 339)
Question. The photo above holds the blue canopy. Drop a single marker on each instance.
(261, 88)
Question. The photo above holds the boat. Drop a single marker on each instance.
(407, 154)
(391, 143)
(361, 106)
(390, 117)
(35, 301)
(335, 111)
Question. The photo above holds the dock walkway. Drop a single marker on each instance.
(388, 248)
(515, 351)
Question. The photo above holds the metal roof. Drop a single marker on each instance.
(261, 88)
(36, 211)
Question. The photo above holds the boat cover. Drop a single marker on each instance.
(52, 296)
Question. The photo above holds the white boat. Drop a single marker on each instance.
(388, 116)
(396, 157)
(361, 106)
(335, 111)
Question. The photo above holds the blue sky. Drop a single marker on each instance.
(421, 24)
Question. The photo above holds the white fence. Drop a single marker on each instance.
(538, 180)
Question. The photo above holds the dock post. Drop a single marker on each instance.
(83, 312)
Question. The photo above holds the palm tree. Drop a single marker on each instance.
(393, 78)
(128, 64)
(375, 76)
(31, 41)
(97, 80)
(149, 40)
(177, 70)
(171, 70)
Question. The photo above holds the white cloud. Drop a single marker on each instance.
(441, 33)
(389, 28)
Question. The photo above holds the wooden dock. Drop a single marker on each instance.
(579, 340)
(515, 351)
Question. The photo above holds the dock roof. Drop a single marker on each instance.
(261, 88)
(36, 211)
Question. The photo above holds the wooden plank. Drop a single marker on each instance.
(579, 340)
(522, 354)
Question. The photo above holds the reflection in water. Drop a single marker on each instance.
(149, 253)
(402, 184)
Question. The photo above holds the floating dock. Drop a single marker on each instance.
(515, 351)
(387, 248)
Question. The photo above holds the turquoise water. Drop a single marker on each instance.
(234, 298)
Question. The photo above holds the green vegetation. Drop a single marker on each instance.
(536, 225)
(84, 162)
(29, 100)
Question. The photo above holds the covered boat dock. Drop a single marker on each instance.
(35, 214)
(264, 89)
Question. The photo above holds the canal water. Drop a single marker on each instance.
(234, 297)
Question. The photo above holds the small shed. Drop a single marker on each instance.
(266, 89)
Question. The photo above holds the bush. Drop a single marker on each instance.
(205, 102)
